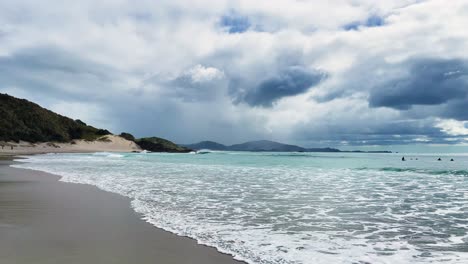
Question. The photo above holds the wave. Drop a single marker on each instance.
(108, 155)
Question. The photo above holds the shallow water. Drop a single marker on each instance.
(292, 207)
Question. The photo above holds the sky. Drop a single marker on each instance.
(339, 73)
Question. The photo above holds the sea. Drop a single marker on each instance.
(291, 208)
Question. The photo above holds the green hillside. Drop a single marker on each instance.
(156, 144)
(24, 120)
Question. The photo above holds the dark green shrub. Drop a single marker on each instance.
(127, 136)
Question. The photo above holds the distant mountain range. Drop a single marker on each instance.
(264, 145)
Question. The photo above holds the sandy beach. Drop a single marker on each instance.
(109, 143)
(43, 220)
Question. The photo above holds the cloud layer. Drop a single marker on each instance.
(427, 82)
(341, 72)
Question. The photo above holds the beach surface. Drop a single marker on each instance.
(43, 220)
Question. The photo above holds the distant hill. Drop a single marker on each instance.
(207, 145)
(265, 145)
(260, 145)
(156, 144)
(323, 150)
(21, 119)
(370, 151)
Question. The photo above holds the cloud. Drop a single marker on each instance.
(291, 81)
(235, 23)
(196, 84)
(372, 21)
(453, 127)
(200, 74)
(454, 110)
(51, 71)
(427, 82)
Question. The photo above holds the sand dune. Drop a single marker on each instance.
(109, 143)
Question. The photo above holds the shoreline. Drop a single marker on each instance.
(44, 220)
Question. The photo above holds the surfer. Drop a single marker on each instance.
(403, 159)
(439, 159)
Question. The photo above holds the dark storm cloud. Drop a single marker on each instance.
(291, 81)
(456, 109)
(427, 82)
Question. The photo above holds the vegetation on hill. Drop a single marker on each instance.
(265, 145)
(127, 136)
(156, 144)
(21, 119)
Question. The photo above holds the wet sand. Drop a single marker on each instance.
(43, 220)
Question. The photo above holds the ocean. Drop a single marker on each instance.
(287, 208)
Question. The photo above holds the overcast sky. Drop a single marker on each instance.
(315, 73)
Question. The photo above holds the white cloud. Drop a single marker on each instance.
(201, 74)
(453, 127)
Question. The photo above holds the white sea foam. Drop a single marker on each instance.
(108, 154)
(279, 209)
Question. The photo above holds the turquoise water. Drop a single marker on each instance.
(292, 207)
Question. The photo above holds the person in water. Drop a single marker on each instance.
(439, 159)
(403, 159)
(451, 160)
